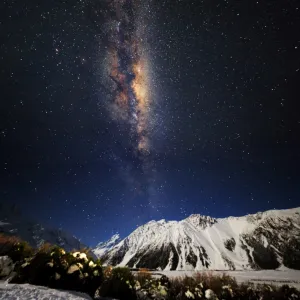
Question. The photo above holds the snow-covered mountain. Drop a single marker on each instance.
(13, 223)
(266, 240)
(104, 247)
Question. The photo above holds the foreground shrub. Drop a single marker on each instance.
(53, 267)
(153, 288)
(15, 248)
(119, 284)
(215, 282)
(266, 292)
(142, 276)
(209, 286)
(202, 285)
(185, 288)
(6, 243)
(107, 272)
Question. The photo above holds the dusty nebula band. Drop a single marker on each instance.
(128, 70)
(127, 78)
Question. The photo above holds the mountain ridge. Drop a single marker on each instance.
(103, 247)
(13, 223)
(255, 241)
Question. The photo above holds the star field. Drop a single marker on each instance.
(221, 123)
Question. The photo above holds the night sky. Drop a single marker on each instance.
(114, 113)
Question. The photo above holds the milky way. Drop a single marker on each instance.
(128, 69)
(126, 75)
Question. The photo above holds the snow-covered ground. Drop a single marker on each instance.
(276, 277)
(31, 292)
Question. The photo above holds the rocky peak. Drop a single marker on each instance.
(104, 247)
(200, 221)
(109, 243)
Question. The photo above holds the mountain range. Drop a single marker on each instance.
(265, 240)
(13, 223)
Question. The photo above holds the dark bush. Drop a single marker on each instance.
(54, 268)
(15, 248)
(185, 288)
(119, 285)
(142, 276)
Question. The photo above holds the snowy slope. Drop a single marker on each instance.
(104, 247)
(13, 223)
(31, 292)
(264, 240)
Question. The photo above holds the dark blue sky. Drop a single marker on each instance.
(226, 135)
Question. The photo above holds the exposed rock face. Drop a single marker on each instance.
(230, 244)
(265, 240)
(201, 222)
